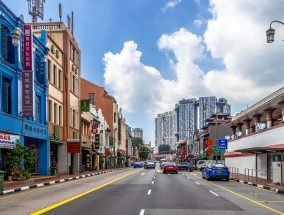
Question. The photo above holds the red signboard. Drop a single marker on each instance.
(27, 75)
(209, 142)
(73, 147)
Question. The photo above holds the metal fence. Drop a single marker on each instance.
(251, 175)
(234, 172)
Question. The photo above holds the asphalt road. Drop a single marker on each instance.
(145, 192)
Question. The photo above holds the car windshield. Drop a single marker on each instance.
(171, 164)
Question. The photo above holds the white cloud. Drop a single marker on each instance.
(171, 4)
(235, 35)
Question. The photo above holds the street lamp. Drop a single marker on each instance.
(271, 32)
(216, 129)
(15, 35)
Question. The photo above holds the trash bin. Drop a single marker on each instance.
(53, 170)
(70, 170)
(83, 168)
(1, 181)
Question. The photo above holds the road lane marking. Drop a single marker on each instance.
(41, 211)
(149, 192)
(188, 178)
(154, 177)
(214, 193)
(196, 183)
(247, 198)
(152, 182)
(271, 201)
(142, 212)
(143, 173)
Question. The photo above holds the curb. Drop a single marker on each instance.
(18, 189)
(260, 186)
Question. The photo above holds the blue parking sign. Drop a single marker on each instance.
(222, 144)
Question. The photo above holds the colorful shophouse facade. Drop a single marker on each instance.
(23, 111)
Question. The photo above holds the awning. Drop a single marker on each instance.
(54, 142)
(265, 149)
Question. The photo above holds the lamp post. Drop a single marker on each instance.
(271, 32)
(216, 130)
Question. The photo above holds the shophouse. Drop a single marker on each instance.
(256, 146)
(108, 107)
(64, 63)
(122, 140)
(23, 89)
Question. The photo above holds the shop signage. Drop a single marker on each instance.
(35, 129)
(97, 141)
(8, 141)
(73, 146)
(85, 105)
(209, 142)
(27, 75)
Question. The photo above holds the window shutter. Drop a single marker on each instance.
(5, 97)
(4, 43)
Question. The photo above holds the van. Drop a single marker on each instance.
(201, 164)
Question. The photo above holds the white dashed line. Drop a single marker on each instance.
(197, 183)
(142, 212)
(193, 174)
(143, 173)
(152, 182)
(214, 193)
(149, 192)
(188, 178)
(154, 177)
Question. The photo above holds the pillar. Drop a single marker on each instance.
(269, 112)
(282, 105)
(233, 127)
(247, 126)
(256, 118)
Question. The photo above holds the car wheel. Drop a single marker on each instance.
(164, 172)
(191, 170)
(176, 172)
(227, 179)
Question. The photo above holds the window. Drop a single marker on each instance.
(114, 117)
(7, 48)
(74, 119)
(92, 98)
(55, 113)
(60, 115)
(49, 110)
(59, 78)
(39, 70)
(54, 74)
(37, 108)
(6, 95)
(48, 69)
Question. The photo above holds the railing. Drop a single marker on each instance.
(234, 172)
(251, 175)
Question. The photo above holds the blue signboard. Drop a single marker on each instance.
(222, 144)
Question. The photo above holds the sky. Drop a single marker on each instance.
(149, 54)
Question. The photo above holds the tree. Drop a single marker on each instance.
(20, 161)
(137, 141)
(143, 152)
(164, 149)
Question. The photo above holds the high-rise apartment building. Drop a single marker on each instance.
(137, 132)
(165, 129)
(186, 113)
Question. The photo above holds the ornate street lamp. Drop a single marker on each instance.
(271, 32)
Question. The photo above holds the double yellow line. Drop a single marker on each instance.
(79, 195)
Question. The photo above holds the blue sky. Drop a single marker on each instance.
(149, 54)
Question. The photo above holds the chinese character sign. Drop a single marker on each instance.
(27, 75)
(28, 47)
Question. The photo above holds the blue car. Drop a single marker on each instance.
(138, 165)
(216, 171)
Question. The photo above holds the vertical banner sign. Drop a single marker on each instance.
(27, 76)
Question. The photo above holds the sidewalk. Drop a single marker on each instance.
(258, 182)
(40, 181)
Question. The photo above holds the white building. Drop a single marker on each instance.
(257, 143)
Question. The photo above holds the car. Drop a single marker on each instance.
(185, 166)
(215, 170)
(149, 164)
(138, 164)
(170, 167)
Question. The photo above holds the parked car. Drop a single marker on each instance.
(216, 170)
(149, 164)
(201, 164)
(138, 164)
(185, 166)
(170, 167)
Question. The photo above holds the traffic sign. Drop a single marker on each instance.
(209, 142)
(222, 144)
(214, 149)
